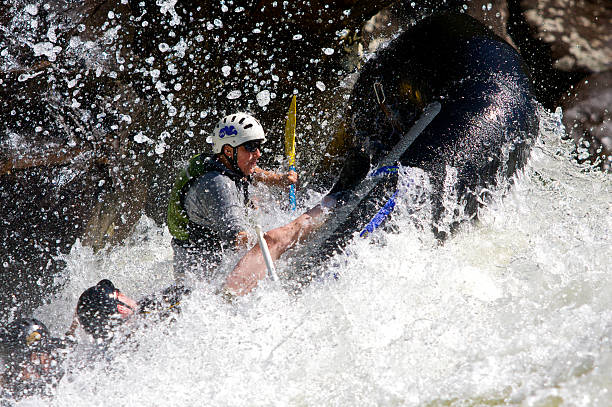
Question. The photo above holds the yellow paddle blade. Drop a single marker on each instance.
(290, 132)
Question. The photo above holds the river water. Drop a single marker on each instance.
(516, 309)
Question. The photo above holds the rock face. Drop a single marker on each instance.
(577, 39)
(579, 32)
(44, 210)
(494, 15)
(587, 118)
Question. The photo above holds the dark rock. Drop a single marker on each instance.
(44, 210)
(493, 14)
(36, 32)
(549, 83)
(579, 33)
(385, 24)
(565, 42)
(587, 118)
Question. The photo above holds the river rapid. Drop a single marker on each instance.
(515, 309)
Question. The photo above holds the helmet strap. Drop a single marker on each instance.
(233, 160)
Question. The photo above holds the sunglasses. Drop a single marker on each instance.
(252, 146)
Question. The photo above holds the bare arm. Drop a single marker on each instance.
(73, 327)
(274, 178)
(252, 268)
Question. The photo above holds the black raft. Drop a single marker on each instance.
(483, 131)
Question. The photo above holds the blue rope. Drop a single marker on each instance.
(388, 207)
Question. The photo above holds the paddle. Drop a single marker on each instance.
(290, 147)
(385, 166)
(266, 253)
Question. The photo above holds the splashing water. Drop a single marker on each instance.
(513, 310)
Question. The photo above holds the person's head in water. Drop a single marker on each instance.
(102, 307)
(30, 357)
(237, 140)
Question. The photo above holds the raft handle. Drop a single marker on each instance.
(378, 85)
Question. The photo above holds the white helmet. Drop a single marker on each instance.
(236, 129)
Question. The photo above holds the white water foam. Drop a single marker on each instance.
(513, 310)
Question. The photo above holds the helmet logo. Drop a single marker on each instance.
(227, 131)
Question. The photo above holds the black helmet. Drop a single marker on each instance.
(31, 358)
(97, 309)
(24, 334)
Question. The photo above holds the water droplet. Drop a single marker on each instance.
(263, 98)
(31, 9)
(235, 94)
(140, 138)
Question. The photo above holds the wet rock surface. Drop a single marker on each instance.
(569, 47)
(588, 120)
(579, 33)
(44, 210)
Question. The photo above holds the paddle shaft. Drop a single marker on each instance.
(266, 253)
(290, 147)
(368, 183)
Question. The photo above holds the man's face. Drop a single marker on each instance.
(247, 160)
(125, 306)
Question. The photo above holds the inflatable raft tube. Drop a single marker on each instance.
(482, 134)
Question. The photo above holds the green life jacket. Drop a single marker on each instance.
(177, 218)
(178, 221)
